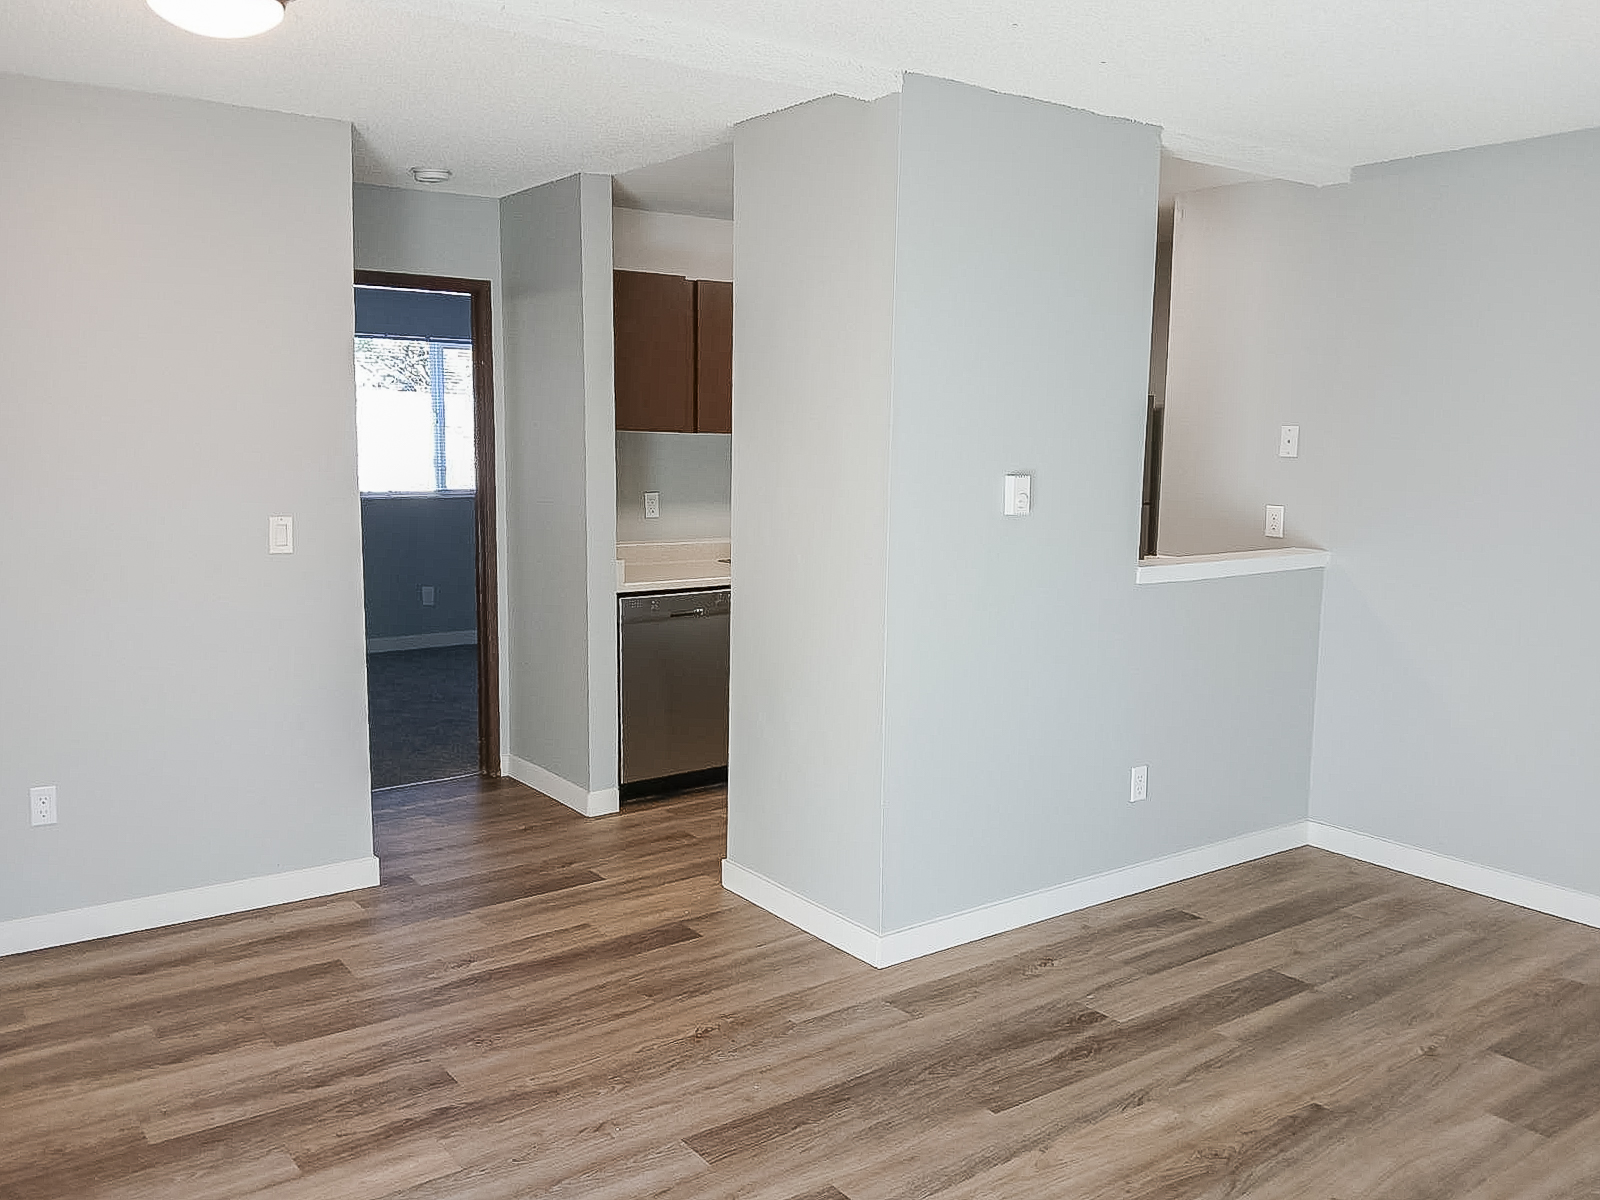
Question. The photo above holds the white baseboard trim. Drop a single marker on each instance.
(422, 641)
(191, 904)
(990, 919)
(1515, 889)
(819, 922)
(590, 804)
(902, 945)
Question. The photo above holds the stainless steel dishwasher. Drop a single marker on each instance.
(673, 688)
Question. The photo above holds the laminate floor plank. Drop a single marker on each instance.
(1565, 1096)
(1145, 991)
(1089, 1162)
(1222, 896)
(1209, 937)
(909, 1086)
(536, 1004)
(1566, 1167)
(643, 1033)
(1564, 1024)
(998, 1139)
(134, 1173)
(1118, 1042)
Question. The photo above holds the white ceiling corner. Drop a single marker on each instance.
(1255, 161)
(511, 93)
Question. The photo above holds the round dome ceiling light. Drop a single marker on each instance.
(221, 18)
(431, 174)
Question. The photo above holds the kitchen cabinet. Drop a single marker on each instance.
(713, 377)
(653, 323)
(674, 353)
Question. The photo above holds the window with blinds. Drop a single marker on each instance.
(414, 394)
(414, 415)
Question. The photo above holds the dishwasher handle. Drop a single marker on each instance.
(646, 607)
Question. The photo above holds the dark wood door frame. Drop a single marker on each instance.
(484, 523)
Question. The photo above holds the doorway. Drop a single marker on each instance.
(425, 461)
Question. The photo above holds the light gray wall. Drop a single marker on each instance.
(1447, 411)
(559, 623)
(966, 291)
(434, 233)
(694, 474)
(176, 331)
(408, 542)
(673, 244)
(1026, 673)
(1255, 334)
(426, 233)
(815, 201)
(600, 480)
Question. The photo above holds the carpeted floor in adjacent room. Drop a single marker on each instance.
(423, 709)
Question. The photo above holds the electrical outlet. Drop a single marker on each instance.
(42, 805)
(1018, 495)
(427, 596)
(652, 505)
(1274, 520)
(1139, 784)
(1289, 441)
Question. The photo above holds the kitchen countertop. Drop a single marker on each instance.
(673, 566)
(1186, 568)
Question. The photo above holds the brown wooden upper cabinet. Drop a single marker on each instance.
(653, 320)
(713, 377)
(674, 353)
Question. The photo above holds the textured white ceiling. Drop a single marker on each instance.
(701, 184)
(510, 93)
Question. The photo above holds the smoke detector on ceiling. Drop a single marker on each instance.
(221, 18)
(431, 174)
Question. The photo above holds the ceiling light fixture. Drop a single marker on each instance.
(221, 18)
(430, 174)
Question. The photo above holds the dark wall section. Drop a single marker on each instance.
(391, 312)
(409, 542)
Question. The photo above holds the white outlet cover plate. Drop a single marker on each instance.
(1019, 494)
(1289, 441)
(1139, 784)
(652, 505)
(42, 805)
(1275, 520)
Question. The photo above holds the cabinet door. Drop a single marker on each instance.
(653, 319)
(713, 399)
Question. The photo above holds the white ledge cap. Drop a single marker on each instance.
(1166, 569)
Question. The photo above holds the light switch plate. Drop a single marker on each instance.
(427, 596)
(280, 535)
(1019, 494)
(1289, 441)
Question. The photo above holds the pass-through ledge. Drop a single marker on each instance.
(1183, 568)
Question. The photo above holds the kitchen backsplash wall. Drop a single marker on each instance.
(694, 474)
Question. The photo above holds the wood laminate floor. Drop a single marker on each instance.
(537, 1005)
